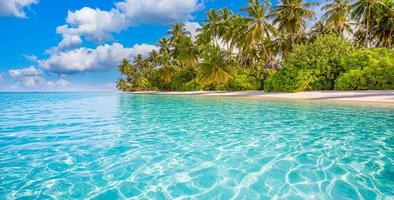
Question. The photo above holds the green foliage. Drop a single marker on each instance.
(244, 79)
(351, 80)
(191, 86)
(314, 66)
(122, 85)
(183, 79)
(368, 57)
(289, 79)
(242, 52)
(215, 68)
(369, 69)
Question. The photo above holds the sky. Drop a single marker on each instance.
(76, 45)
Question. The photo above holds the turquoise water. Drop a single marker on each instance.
(120, 146)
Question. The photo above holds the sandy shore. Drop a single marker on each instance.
(372, 96)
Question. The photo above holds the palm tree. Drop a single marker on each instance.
(122, 85)
(225, 16)
(139, 63)
(177, 31)
(187, 52)
(164, 45)
(383, 30)
(222, 32)
(235, 36)
(133, 75)
(127, 75)
(227, 42)
(259, 29)
(125, 68)
(215, 67)
(180, 40)
(291, 16)
(166, 74)
(320, 28)
(153, 58)
(166, 70)
(282, 44)
(211, 24)
(363, 12)
(337, 16)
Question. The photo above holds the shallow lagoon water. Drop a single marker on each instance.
(120, 146)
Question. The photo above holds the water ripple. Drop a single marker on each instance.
(120, 146)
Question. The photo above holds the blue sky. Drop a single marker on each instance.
(75, 45)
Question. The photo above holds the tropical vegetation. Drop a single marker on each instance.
(275, 48)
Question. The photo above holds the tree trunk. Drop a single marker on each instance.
(367, 30)
(292, 39)
(265, 53)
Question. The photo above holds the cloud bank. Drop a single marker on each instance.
(32, 77)
(98, 25)
(15, 8)
(103, 57)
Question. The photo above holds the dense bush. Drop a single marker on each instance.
(289, 79)
(243, 79)
(191, 86)
(351, 80)
(368, 69)
(314, 66)
(183, 78)
(368, 57)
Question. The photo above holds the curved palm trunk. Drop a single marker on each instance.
(292, 35)
(292, 40)
(389, 40)
(265, 53)
(367, 29)
(341, 30)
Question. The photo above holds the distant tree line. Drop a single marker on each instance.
(270, 47)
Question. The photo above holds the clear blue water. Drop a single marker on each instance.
(119, 146)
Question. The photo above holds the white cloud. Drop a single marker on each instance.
(20, 73)
(98, 25)
(103, 57)
(1, 78)
(32, 77)
(31, 58)
(28, 77)
(70, 41)
(192, 28)
(94, 24)
(15, 7)
(143, 49)
(157, 11)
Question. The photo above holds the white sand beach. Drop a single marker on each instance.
(370, 96)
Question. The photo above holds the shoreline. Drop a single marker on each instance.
(367, 96)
